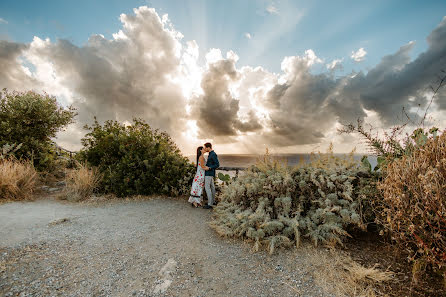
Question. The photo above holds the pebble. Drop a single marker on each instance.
(118, 249)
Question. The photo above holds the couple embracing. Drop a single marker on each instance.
(204, 178)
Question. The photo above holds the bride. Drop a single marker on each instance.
(198, 183)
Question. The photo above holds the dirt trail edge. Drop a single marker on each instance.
(157, 247)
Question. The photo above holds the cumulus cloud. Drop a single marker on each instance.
(147, 71)
(298, 104)
(13, 74)
(128, 76)
(3, 21)
(335, 64)
(398, 82)
(217, 110)
(359, 55)
(272, 9)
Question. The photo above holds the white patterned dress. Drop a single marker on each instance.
(197, 185)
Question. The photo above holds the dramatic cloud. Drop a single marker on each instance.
(396, 82)
(13, 74)
(359, 55)
(147, 71)
(299, 107)
(217, 110)
(128, 76)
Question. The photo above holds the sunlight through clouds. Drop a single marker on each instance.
(148, 69)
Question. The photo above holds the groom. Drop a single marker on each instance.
(213, 164)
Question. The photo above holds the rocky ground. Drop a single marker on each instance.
(158, 247)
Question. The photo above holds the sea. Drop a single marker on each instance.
(246, 160)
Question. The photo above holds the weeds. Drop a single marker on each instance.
(413, 208)
(337, 273)
(81, 182)
(17, 179)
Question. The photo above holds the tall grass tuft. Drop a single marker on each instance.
(337, 273)
(17, 179)
(329, 161)
(81, 182)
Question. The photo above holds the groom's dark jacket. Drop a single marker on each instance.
(212, 163)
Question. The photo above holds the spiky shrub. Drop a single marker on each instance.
(274, 205)
(81, 182)
(17, 179)
(413, 207)
(136, 160)
(31, 119)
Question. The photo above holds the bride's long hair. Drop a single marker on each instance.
(199, 153)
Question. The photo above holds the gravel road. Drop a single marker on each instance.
(158, 247)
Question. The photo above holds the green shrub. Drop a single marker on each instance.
(274, 205)
(136, 160)
(32, 119)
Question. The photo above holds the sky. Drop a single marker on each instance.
(245, 75)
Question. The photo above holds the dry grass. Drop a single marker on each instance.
(413, 207)
(17, 179)
(337, 273)
(81, 182)
(329, 160)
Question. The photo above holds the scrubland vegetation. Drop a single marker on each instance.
(271, 205)
(274, 205)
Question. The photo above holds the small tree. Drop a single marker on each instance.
(32, 119)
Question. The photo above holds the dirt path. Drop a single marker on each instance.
(158, 247)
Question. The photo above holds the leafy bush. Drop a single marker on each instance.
(8, 150)
(275, 205)
(413, 207)
(32, 119)
(17, 179)
(81, 182)
(136, 160)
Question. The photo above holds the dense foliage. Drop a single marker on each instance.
(136, 160)
(413, 207)
(275, 205)
(32, 119)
